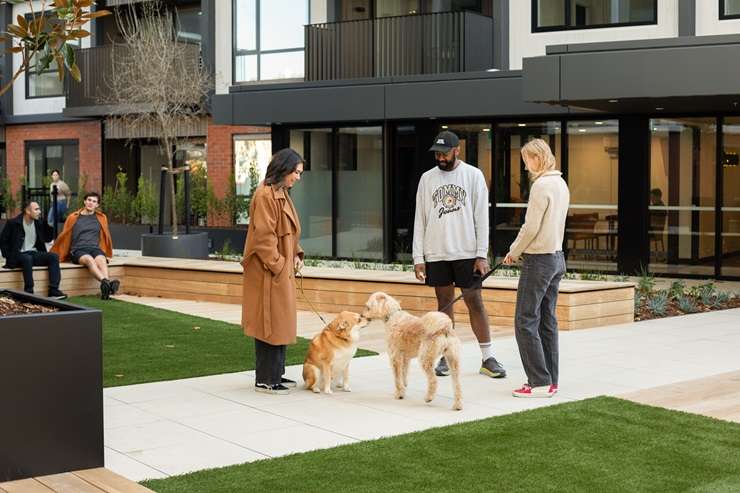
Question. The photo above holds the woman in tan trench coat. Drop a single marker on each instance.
(272, 255)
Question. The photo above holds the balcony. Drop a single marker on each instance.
(87, 98)
(435, 43)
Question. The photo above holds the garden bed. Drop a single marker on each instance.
(679, 300)
(9, 305)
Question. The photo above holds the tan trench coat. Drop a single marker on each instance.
(269, 295)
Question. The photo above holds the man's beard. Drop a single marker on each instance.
(446, 165)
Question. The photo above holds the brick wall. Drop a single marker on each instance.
(221, 160)
(87, 134)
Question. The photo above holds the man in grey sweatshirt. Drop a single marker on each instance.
(450, 246)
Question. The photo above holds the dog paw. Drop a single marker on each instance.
(399, 395)
(316, 390)
(328, 391)
(457, 406)
(428, 398)
(346, 389)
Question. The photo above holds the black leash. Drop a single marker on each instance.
(476, 284)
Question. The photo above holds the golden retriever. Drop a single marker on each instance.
(331, 351)
(428, 337)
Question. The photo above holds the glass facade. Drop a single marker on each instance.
(592, 176)
(730, 198)
(269, 39)
(43, 157)
(683, 163)
(252, 154)
(729, 9)
(553, 15)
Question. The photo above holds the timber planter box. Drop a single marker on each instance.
(51, 389)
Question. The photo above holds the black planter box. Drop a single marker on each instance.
(51, 390)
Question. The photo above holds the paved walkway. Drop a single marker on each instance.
(167, 428)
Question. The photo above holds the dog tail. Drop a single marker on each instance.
(437, 324)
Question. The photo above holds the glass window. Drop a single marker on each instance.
(511, 182)
(269, 39)
(391, 8)
(593, 180)
(360, 193)
(313, 194)
(45, 84)
(42, 158)
(729, 9)
(682, 195)
(252, 154)
(731, 198)
(552, 15)
(188, 25)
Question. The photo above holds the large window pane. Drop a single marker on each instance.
(593, 180)
(281, 65)
(246, 68)
(281, 24)
(360, 193)
(593, 13)
(45, 84)
(246, 25)
(731, 198)
(188, 28)
(511, 182)
(390, 8)
(312, 195)
(252, 154)
(731, 8)
(682, 197)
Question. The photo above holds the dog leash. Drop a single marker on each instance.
(476, 284)
(303, 293)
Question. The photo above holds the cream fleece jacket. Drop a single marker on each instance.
(544, 224)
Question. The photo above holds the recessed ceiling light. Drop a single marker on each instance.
(445, 127)
(613, 100)
(659, 108)
(521, 124)
(598, 123)
(486, 129)
(582, 130)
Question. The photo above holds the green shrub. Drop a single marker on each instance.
(593, 276)
(677, 289)
(658, 303)
(646, 282)
(145, 205)
(117, 201)
(687, 304)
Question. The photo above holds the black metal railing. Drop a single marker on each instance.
(96, 66)
(395, 46)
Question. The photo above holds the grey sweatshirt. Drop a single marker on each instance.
(544, 223)
(451, 220)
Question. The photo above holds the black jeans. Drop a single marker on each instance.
(270, 365)
(27, 260)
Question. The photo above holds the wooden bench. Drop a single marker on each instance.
(76, 280)
(581, 304)
(88, 481)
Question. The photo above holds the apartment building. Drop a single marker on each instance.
(638, 98)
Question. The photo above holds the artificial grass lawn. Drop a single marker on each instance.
(143, 344)
(602, 444)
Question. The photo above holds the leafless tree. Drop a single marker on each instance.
(157, 82)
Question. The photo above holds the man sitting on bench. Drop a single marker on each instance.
(22, 242)
(86, 240)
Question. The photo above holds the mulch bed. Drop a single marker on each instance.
(672, 310)
(11, 306)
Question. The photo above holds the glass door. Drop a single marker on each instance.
(730, 210)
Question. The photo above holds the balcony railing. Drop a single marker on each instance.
(395, 46)
(88, 97)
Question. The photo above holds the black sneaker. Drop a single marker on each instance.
(114, 285)
(278, 388)
(287, 382)
(54, 293)
(442, 370)
(492, 368)
(105, 289)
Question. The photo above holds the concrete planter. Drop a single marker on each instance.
(184, 246)
(51, 383)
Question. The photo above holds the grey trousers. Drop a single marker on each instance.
(536, 327)
(270, 362)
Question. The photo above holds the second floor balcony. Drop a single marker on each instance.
(434, 43)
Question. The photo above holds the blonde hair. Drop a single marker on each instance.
(539, 148)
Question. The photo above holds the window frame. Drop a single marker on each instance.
(567, 13)
(257, 51)
(723, 16)
(29, 74)
(45, 143)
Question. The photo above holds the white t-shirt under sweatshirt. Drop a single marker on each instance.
(451, 220)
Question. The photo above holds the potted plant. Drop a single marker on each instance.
(51, 380)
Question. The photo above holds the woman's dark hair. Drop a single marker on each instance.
(284, 162)
(55, 171)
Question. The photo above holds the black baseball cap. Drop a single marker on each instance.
(444, 141)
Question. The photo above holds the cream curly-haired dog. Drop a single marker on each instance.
(427, 337)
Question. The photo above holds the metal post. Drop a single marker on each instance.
(163, 176)
(54, 210)
(187, 201)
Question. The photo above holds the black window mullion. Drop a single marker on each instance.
(568, 13)
(718, 197)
